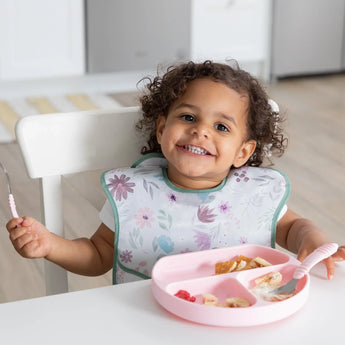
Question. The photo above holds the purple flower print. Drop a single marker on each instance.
(205, 214)
(172, 198)
(144, 217)
(202, 240)
(241, 175)
(243, 240)
(120, 186)
(224, 207)
(126, 256)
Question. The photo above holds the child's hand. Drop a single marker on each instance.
(339, 255)
(29, 237)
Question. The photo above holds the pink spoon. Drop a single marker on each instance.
(310, 261)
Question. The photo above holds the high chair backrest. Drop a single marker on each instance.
(53, 145)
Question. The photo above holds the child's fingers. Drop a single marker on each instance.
(340, 254)
(18, 232)
(31, 250)
(28, 221)
(302, 255)
(13, 223)
(329, 262)
(23, 240)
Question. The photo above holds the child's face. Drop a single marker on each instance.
(204, 134)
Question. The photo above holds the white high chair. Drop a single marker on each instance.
(53, 145)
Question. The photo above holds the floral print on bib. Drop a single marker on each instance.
(154, 218)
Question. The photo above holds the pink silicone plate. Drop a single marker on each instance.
(194, 272)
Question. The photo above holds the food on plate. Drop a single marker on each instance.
(233, 302)
(183, 294)
(265, 285)
(237, 302)
(240, 263)
(271, 279)
(279, 297)
(210, 299)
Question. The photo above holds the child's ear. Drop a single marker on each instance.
(160, 127)
(244, 153)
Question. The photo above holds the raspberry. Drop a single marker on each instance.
(185, 295)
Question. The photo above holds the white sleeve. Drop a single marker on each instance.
(282, 213)
(107, 216)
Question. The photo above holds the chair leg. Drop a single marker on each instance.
(55, 278)
(51, 193)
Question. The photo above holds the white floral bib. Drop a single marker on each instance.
(154, 218)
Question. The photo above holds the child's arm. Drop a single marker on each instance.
(90, 257)
(302, 236)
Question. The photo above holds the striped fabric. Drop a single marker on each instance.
(12, 110)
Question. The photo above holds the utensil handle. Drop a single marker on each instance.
(315, 257)
(12, 205)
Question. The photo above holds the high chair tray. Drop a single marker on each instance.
(195, 273)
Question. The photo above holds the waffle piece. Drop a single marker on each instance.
(225, 267)
(239, 264)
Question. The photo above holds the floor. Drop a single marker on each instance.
(314, 108)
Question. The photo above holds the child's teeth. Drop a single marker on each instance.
(196, 150)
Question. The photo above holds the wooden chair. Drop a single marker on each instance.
(53, 145)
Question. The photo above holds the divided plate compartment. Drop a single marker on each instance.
(194, 272)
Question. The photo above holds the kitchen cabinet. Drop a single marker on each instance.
(136, 34)
(308, 37)
(41, 39)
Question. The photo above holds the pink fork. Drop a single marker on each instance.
(11, 202)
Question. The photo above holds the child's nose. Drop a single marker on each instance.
(201, 130)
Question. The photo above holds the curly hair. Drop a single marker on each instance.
(263, 125)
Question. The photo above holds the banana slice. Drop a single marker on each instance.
(262, 262)
(237, 302)
(271, 279)
(241, 265)
(210, 299)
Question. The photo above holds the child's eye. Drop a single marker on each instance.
(221, 127)
(188, 117)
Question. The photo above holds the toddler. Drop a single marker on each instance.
(199, 184)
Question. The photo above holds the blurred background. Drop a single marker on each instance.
(61, 55)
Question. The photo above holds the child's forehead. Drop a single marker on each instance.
(206, 85)
(208, 82)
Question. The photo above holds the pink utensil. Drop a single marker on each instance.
(11, 202)
(310, 261)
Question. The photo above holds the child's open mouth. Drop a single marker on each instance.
(196, 150)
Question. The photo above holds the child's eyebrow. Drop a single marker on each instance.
(229, 118)
(187, 105)
(195, 108)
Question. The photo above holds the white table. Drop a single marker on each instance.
(128, 314)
